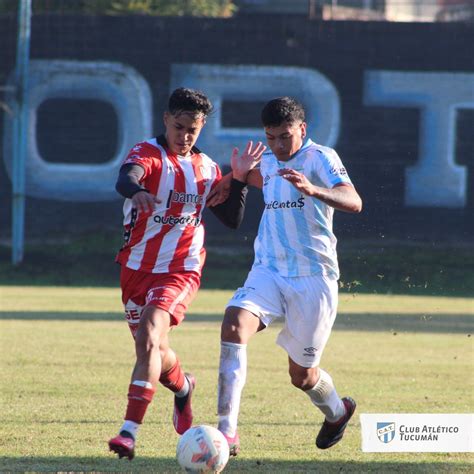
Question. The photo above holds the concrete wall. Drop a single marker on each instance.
(395, 100)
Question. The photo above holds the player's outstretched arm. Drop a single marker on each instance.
(231, 211)
(342, 196)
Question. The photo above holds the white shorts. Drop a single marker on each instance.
(308, 304)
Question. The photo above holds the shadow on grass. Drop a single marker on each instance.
(170, 465)
(415, 322)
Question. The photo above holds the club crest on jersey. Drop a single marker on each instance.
(205, 172)
(386, 431)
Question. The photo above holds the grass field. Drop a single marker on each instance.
(66, 357)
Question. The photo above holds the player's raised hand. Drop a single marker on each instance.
(297, 179)
(145, 202)
(249, 159)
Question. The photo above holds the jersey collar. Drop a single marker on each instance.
(305, 145)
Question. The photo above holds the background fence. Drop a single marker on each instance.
(395, 100)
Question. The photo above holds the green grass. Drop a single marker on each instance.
(66, 357)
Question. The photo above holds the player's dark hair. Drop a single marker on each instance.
(282, 109)
(184, 100)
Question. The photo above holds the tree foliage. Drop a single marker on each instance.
(209, 8)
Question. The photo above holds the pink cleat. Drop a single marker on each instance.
(123, 446)
(183, 412)
(234, 444)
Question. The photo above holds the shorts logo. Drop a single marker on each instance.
(240, 295)
(242, 292)
(310, 351)
(386, 432)
(156, 294)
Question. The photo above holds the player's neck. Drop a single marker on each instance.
(290, 157)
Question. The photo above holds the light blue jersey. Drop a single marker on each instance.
(295, 235)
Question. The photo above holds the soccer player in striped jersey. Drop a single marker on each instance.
(295, 270)
(166, 182)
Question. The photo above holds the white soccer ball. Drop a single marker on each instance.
(202, 449)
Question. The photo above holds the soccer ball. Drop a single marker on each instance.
(202, 449)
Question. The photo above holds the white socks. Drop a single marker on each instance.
(184, 391)
(232, 376)
(142, 383)
(131, 427)
(325, 397)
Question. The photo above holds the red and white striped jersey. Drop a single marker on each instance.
(171, 238)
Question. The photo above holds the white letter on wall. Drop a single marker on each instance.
(259, 84)
(119, 85)
(435, 180)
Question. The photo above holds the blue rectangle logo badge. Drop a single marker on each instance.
(417, 432)
(386, 432)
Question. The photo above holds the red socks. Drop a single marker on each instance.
(138, 401)
(173, 378)
(140, 397)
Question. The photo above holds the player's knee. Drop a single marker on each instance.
(303, 379)
(165, 352)
(239, 325)
(231, 332)
(231, 328)
(147, 339)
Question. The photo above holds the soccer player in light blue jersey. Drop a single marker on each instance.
(295, 271)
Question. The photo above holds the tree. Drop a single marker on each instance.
(209, 8)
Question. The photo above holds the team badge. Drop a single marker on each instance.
(205, 172)
(386, 432)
